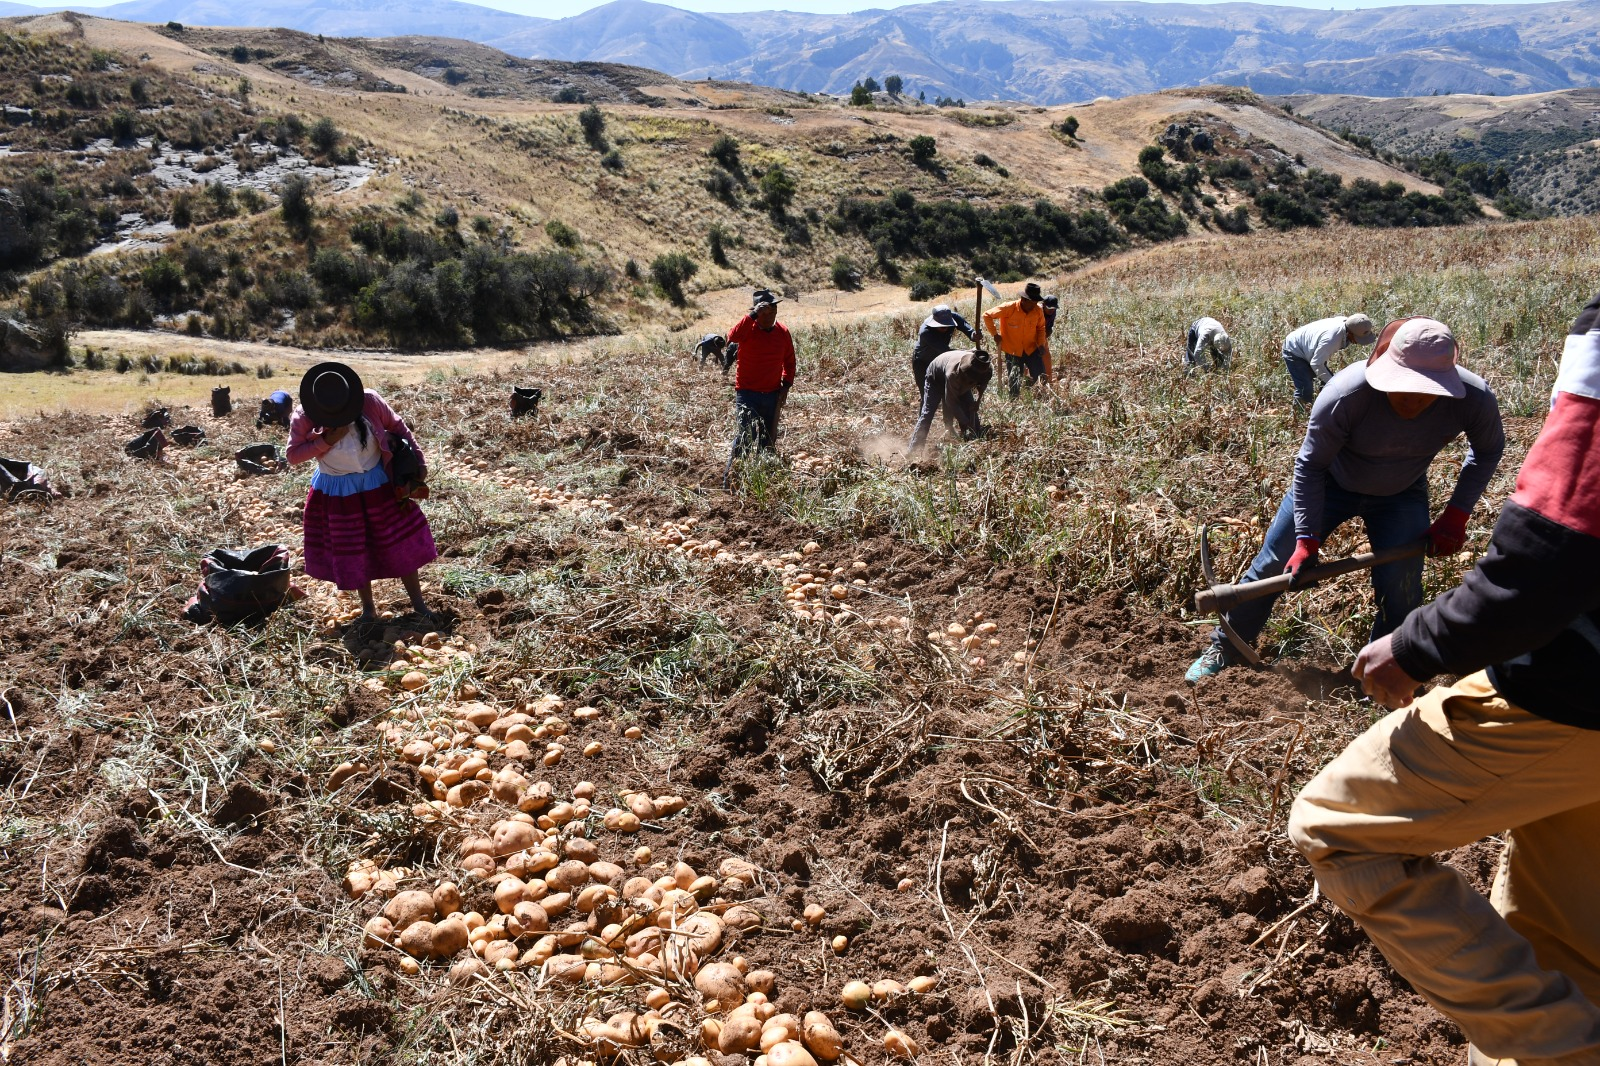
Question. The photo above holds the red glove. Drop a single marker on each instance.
(1448, 532)
(1305, 554)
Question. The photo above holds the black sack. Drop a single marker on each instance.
(240, 585)
(188, 436)
(259, 459)
(160, 418)
(222, 400)
(148, 445)
(21, 480)
(405, 465)
(525, 401)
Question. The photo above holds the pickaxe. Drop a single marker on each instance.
(1219, 599)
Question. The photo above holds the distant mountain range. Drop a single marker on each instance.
(1045, 51)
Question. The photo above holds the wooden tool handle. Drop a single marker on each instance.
(1220, 599)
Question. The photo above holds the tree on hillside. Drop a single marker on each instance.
(593, 123)
(871, 85)
(893, 84)
(1070, 126)
(860, 96)
(778, 189)
(923, 148)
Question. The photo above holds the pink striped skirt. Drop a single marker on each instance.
(352, 540)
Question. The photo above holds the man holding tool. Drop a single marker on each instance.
(1019, 332)
(1374, 430)
(1511, 746)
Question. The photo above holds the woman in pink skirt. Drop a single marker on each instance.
(358, 528)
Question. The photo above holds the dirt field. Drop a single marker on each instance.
(940, 702)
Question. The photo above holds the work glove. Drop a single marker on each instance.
(1448, 532)
(1305, 555)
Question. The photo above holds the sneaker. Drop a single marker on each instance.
(1208, 665)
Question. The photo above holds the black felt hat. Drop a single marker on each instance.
(332, 395)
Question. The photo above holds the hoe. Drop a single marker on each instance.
(1219, 598)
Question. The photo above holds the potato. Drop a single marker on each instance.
(593, 897)
(467, 970)
(642, 806)
(898, 1043)
(887, 989)
(762, 981)
(703, 888)
(561, 813)
(509, 893)
(581, 849)
(569, 875)
(416, 939)
(410, 967)
(517, 750)
(820, 1037)
(634, 887)
(790, 1053)
(449, 938)
(855, 995)
(840, 944)
(620, 821)
(740, 869)
(556, 903)
(777, 1029)
(542, 951)
(512, 836)
(531, 917)
(813, 914)
(446, 898)
(923, 985)
(566, 969)
(466, 793)
(657, 998)
(606, 873)
(409, 907)
(722, 982)
(741, 1031)
(379, 932)
(500, 951)
(537, 798)
(742, 917)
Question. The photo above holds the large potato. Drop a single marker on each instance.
(722, 982)
(820, 1037)
(449, 938)
(409, 907)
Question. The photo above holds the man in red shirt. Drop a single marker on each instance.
(765, 370)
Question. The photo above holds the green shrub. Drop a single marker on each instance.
(1069, 126)
(669, 271)
(612, 160)
(717, 238)
(725, 151)
(294, 201)
(561, 233)
(777, 189)
(923, 148)
(592, 121)
(325, 136)
(893, 84)
(846, 275)
(860, 96)
(930, 278)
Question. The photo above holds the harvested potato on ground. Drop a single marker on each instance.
(855, 995)
(449, 937)
(446, 898)
(408, 908)
(416, 939)
(722, 982)
(820, 1037)
(379, 932)
(898, 1043)
(790, 1053)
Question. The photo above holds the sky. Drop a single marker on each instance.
(564, 8)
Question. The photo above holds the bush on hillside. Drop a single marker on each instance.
(930, 278)
(670, 271)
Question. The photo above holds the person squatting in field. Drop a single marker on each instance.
(762, 378)
(1018, 328)
(933, 340)
(956, 382)
(1512, 746)
(360, 525)
(1307, 350)
(1372, 435)
(1207, 334)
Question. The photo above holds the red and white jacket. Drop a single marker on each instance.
(1529, 612)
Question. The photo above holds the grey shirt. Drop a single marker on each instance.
(1359, 441)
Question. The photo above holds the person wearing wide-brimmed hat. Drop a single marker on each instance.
(1019, 331)
(1374, 431)
(933, 340)
(764, 372)
(1307, 350)
(359, 526)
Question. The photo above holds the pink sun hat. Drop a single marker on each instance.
(1416, 355)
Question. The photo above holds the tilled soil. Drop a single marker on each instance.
(1086, 853)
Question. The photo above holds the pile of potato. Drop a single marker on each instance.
(806, 463)
(545, 498)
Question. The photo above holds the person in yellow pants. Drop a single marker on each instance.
(1512, 747)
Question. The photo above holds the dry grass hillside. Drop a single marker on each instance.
(452, 129)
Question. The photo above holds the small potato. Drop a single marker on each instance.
(410, 967)
(885, 990)
(762, 981)
(467, 970)
(897, 1043)
(409, 907)
(416, 940)
(905, 885)
(569, 875)
(531, 916)
(740, 1032)
(790, 1053)
(642, 806)
(777, 1029)
(379, 932)
(556, 903)
(922, 985)
(722, 982)
(508, 893)
(855, 995)
(582, 849)
(593, 897)
(446, 898)
(566, 969)
(840, 944)
(621, 821)
(500, 951)
(606, 873)
(642, 856)
(813, 914)
(820, 1037)
(657, 998)
(449, 938)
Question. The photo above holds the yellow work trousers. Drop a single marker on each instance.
(1520, 975)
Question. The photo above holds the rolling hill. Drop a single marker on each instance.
(1548, 143)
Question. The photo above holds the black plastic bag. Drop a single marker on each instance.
(222, 400)
(525, 401)
(160, 418)
(21, 480)
(147, 445)
(405, 465)
(188, 436)
(259, 459)
(240, 585)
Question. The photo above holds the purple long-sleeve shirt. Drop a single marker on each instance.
(1356, 438)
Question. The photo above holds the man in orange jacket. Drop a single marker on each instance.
(1019, 331)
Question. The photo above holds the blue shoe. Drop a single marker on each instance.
(1208, 665)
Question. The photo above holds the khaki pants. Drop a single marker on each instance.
(1521, 977)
